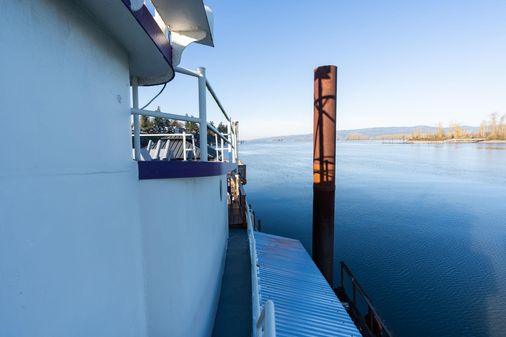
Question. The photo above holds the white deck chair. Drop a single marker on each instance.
(164, 151)
(145, 154)
(154, 150)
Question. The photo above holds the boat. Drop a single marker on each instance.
(107, 231)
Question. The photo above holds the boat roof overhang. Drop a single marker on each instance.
(148, 47)
(187, 17)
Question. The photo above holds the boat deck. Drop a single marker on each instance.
(305, 304)
(234, 314)
(235, 215)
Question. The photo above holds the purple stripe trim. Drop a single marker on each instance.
(182, 169)
(148, 23)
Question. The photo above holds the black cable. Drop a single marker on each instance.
(151, 101)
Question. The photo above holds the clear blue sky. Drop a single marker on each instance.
(401, 63)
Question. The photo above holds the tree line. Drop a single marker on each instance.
(151, 125)
(493, 129)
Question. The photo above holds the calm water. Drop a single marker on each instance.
(423, 227)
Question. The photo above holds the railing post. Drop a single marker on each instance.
(193, 148)
(234, 142)
(222, 151)
(184, 145)
(202, 113)
(137, 129)
(216, 146)
(229, 147)
(270, 319)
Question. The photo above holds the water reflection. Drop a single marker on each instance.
(422, 226)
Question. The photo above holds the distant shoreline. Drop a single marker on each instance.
(391, 140)
(451, 141)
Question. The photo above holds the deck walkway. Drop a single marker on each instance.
(235, 216)
(234, 310)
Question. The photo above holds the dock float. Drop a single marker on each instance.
(305, 304)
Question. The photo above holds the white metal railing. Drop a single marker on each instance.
(229, 138)
(266, 323)
(264, 319)
(219, 148)
(154, 152)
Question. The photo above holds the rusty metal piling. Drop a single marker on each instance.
(324, 161)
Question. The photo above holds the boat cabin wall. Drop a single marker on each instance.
(185, 229)
(86, 249)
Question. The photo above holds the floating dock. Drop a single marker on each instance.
(305, 303)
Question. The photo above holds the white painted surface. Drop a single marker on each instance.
(70, 257)
(75, 257)
(184, 226)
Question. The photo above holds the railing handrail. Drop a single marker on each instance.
(254, 270)
(356, 285)
(230, 137)
(152, 113)
(219, 134)
(267, 321)
(211, 91)
(263, 319)
(184, 134)
(189, 72)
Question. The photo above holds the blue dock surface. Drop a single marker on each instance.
(305, 304)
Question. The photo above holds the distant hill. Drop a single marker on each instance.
(370, 132)
(397, 130)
